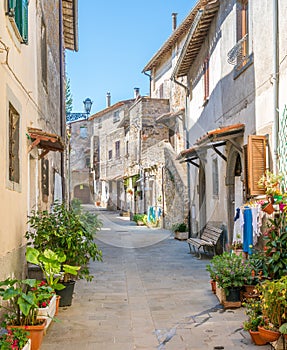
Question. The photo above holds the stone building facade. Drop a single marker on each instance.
(32, 105)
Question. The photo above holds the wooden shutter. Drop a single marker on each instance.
(256, 163)
(24, 31)
(20, 10)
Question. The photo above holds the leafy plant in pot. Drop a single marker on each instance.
(20, 299)
(70, 232)
(231, 273)
(255, 318)
(15, 338)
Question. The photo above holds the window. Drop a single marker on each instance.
(127, 148)
(206, 78)
(83, 132)
(110, 154)
(45, 179)
(116, 116)
(18, 13)
(215, 184)
(117, 147)
(88, 162)
(242, 32)
(161, 91)
(100, 123)
(14, 160)
(44, 53)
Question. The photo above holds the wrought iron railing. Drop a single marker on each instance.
(239, 53)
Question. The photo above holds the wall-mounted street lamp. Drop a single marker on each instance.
(73, 117)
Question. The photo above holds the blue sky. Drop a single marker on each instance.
(116, 40)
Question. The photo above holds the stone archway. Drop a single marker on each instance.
(83, 193)
(234, 188)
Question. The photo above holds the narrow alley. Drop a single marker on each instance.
(148, 293)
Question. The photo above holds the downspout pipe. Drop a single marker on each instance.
(148, 75)
(275, 85)
(62, 100)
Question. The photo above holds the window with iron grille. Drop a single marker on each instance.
(117, 147)
(242, 28)
(14, 161)
(18, 14)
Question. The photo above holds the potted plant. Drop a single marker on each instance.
(70, 232)
(231, 275)
(255, 318)
(20, 299)
(274, 305)
(15, 338)
(140, 219)
(180, 230)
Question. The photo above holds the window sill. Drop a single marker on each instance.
(238, 70)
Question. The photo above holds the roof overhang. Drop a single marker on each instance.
(195, 38)
(70, 24)
(45, 141)
(174, 37)
(212, 139)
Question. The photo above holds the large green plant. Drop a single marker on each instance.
(274, 302)
(52, 265)
(66, 231)
(276, 245)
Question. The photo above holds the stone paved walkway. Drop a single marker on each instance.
(148, 293)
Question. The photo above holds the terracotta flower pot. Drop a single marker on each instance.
(256, 338)
(58, 297)
(36, 334)
(213, 286)
(268, 335)
(269, 209)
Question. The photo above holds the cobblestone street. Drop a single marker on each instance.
(148, 293)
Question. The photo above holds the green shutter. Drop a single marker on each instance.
(11, 7)
(24, 32)
(21, 17)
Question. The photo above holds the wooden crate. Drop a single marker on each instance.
(220, 293)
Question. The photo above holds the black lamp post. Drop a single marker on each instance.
(73, 117)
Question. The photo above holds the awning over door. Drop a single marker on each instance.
(212, 139)
(45, 141)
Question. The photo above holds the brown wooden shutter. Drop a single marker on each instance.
(256, 159)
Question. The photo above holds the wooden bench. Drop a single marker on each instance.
(209, 238)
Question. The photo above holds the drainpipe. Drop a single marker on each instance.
(275, 85)
(148, 75)
(62, 111)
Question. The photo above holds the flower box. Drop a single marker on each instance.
(48, 312)
(220, 293)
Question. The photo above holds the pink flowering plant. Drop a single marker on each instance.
(14, 338)
(230, 269)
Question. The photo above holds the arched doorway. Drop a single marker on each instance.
(82, 192)
(234, 189)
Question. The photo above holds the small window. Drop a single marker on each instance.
(100, 123)
(14, 131)
(18, 14)
(44, 53)
(215, 182)
(127, 148)
(117, 147)
(45, 179)
(88, 162)
(116, 116)
(206, 78)
(110, 154)
(83, 132)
